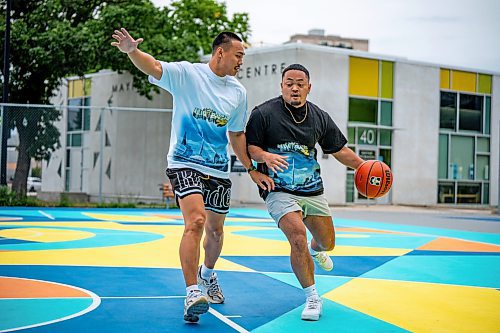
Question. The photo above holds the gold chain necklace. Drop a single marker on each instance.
(291, 113)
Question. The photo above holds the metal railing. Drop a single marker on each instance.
(91, 153)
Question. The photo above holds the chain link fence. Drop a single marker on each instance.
(89, 154)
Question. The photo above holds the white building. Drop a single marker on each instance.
(437, 126)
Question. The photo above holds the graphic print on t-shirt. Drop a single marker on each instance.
(303, 173)
(197, 147)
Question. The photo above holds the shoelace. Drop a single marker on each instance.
(313, 303)
(321, 258)
(192, 295)
(213, 286)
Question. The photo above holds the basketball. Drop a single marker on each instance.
(373, 179)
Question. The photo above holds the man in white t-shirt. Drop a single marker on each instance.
(209, 105)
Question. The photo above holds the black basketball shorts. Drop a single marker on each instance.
(216, 192)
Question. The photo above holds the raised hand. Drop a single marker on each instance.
(125, 42)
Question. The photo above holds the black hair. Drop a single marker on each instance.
(297, 67)
(223, 39)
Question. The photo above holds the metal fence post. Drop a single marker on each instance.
(3, 152)
(101, 160)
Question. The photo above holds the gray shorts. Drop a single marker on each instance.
(281, 203)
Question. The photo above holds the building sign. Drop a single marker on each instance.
(367, 154)
(124, 86)
(236, 165)
(367, 136)
(260, 70)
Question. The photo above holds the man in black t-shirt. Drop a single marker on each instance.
(282, 134)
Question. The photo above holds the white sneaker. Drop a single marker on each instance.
(211, 288)
(195, 304)
(322, 259)
(312, 310)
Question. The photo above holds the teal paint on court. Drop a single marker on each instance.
(31, 311)
(324, 283)
(336, 318)
(394, 241)
(480, 271)
(459, 234)
(266, 300)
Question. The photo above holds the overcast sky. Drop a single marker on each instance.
(464, 33)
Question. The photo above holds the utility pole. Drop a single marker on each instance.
(5, 98)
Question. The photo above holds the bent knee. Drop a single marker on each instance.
(327, 246)
(195, 224)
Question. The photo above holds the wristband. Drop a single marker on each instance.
(251, 168)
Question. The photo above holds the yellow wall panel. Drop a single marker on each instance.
(387, 79)
(463, 81)
(363, 77)
(484, 85)
(445, 78)
(88, 87)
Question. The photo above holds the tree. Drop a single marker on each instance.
(52, 39)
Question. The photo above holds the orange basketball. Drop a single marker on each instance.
(373, 179)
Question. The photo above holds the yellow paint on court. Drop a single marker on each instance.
(423, 307)
(162, 253)
(351, 236)
(44, 235)
(128, 218)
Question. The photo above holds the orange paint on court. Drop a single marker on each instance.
(21, 288)
(372, 231)
(451, 244)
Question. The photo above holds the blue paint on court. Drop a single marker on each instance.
(268, 299)
(344, 265)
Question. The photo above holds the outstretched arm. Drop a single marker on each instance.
(142, 60)
(348, 158)
(239, 143)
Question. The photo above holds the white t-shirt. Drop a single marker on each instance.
(206, 106)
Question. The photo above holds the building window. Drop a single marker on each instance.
(471, 112)
(448, 108)
(369, 128)
(363, 110)
(78, 126)
(464, 138)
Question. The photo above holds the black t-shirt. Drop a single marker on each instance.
(273, 128)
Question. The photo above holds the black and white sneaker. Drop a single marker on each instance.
(211, 288)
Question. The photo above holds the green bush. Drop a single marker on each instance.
(10, 198)
(36, 172)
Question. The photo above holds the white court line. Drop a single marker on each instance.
(47, 215)
(96, 301)
(221, 317)
(227, 321)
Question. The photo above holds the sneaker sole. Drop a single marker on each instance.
(192, 313)
(310, 318)
(212, 301)
(326, 268)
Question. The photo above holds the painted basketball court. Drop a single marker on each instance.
(117, 270)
